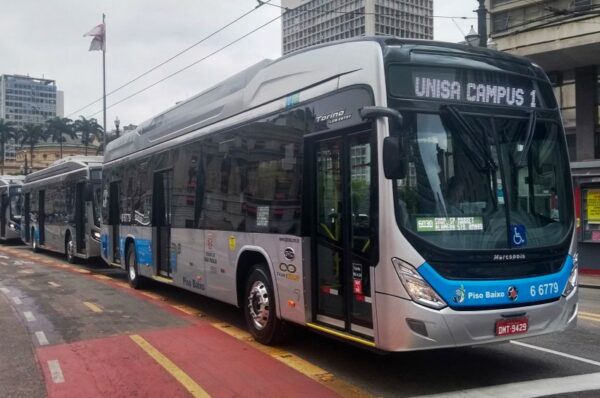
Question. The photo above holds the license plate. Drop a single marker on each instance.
(505, 327)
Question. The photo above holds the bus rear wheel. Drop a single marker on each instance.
(260, 308)
(34, 242)
(133, 276)
(70, 249)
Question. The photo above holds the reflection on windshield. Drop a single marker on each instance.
(96, 201)
(16, 205)
(450, 200)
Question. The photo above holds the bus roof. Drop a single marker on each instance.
(64, 166)
(270, 80)
(11, 180)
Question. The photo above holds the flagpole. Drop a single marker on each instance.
(104, 82)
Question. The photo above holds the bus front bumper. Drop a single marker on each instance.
(409, 326)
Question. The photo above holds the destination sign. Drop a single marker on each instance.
(469, 85)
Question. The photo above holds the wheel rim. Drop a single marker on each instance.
(70, 248)
(131, 262)
(258, 304)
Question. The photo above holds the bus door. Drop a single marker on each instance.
(114, 219)
(80, 217)
(161, 221)
(344, 231)
(25, 218)
(3, 210)
(41, 216)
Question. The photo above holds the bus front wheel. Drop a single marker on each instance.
(133, 276)
(70, 249)
(260, 308)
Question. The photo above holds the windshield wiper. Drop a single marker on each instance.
(528, 139)
(474, 145)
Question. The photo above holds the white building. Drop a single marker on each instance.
(309, 22)
(25, 100)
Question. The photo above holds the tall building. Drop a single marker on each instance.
(309, 22)
(24, 100)
(563, 37)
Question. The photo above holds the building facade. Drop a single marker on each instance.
(563, 37)
(25, 100)
(309, 22)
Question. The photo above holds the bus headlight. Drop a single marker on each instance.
(417, 288)
(572, 282)
(96, 235)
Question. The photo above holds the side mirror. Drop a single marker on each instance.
(373, 112)
(393, 161)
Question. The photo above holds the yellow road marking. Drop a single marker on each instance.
(151, 295)
(589, 318)
(589, 314)
(82, 271)
(186, 381)
(92, 306)
(185, 308)
(104, 277)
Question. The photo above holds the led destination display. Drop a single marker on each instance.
(468, 85)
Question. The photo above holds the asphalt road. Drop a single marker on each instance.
(83, 324)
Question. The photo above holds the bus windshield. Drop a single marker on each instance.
(16, 203)
(482, 182)
(96, 201)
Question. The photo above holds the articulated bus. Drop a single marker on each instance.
(398, 194)
(61, 207)
(11, 204)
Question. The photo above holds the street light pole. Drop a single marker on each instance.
(117, 124)
(482, 23)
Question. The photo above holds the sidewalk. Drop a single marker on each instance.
(589, 280)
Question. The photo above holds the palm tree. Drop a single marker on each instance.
(89, 129)
(30, 135)
(7, 132)
(57, 128)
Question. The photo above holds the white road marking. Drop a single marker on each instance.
(561, 354)
(29, 316)
(41, 337)
(4, 290)
(3, 256)
(53, 284)
(56, 371)
(17, 300)
(3, 263)
(26, 271)
(529, 389)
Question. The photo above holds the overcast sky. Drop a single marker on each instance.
(45, 38)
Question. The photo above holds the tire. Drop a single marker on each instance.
(34, 243)
(70, 249)
(134, 278)
(260, 308)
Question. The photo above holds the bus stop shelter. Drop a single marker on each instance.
(586, 182)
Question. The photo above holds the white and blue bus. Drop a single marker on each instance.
(398, 194)
(61, 207)
(11, 207)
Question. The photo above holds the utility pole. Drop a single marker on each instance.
(482, 23)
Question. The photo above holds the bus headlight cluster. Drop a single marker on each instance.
(417, 288)
(572, 282)
(96, 235)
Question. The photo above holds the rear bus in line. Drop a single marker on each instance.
(397, 194)
(61, 207)
(11, 204)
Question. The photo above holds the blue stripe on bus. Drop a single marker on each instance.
(490, 293)
(143, 248)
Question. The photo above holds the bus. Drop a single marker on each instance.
(61, 207)
(408, 195)
(11, 204)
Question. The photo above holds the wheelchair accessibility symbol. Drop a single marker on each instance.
(518, 235)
